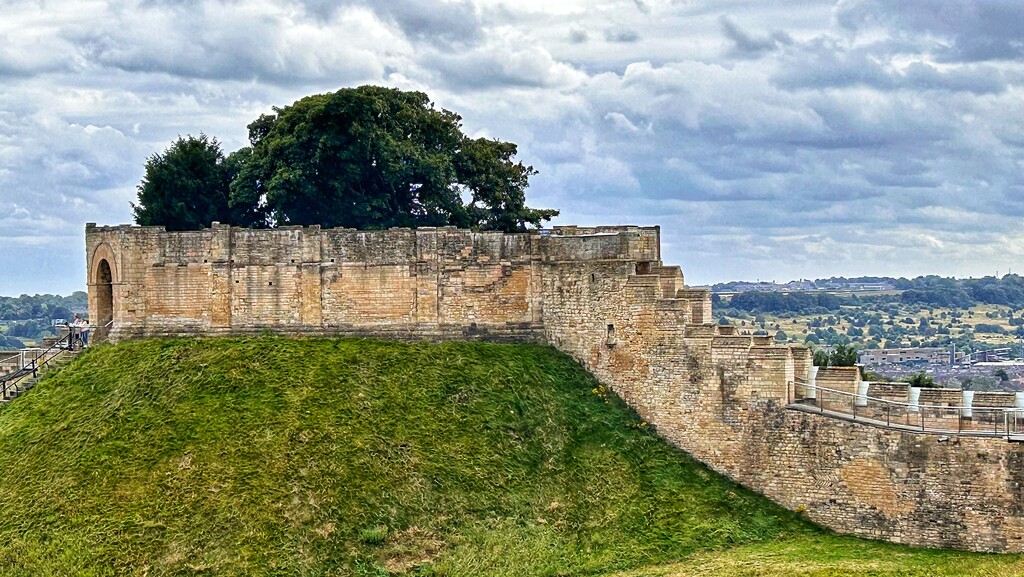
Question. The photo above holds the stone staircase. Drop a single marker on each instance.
(24, 384)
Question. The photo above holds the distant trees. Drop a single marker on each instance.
(797, 302)
(367, 157)
(43, 307)
(28, 329)
(883, 321)
(963, 293)
(28, 317)
(924, 291)
(10, 343)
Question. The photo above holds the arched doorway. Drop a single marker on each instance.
(104, 288)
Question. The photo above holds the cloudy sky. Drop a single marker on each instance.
(770, 140)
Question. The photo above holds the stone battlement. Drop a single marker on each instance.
(600, 294)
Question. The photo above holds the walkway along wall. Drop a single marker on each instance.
(601, 295)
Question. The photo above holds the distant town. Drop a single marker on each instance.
(966, 333)
(840, 284)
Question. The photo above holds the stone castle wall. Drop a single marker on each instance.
(428, 283)
(603, 296)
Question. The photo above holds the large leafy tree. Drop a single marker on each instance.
(187, 186)
(374, 157)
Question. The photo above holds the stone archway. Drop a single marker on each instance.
(104, 286)
(102, 280)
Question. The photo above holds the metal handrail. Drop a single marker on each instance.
(7, 382)
(32, 367)
(920, 409)
(919, 405)
(21, 353)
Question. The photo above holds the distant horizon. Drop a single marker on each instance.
(707, 285)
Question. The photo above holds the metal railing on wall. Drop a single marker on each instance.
(912, 416)
(37, 359)
(20, 356)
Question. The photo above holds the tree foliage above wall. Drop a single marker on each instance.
(367, 157)
(840, 356)
(186, 187)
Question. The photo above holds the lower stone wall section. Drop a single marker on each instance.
(918, 489)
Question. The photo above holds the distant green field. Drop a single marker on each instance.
(277, 456)
(869, 325)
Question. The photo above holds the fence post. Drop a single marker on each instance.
(967, 410)
(812, 388)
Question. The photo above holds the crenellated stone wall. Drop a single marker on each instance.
(602, 295)
(427, 283)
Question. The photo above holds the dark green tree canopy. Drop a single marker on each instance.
(186, 187)
(374, 157)
(841, 356)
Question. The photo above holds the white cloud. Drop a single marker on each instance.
(507, 58)
(783, 141)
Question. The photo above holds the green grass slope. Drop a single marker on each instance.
(276, 456)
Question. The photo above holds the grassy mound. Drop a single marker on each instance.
(275, 456)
